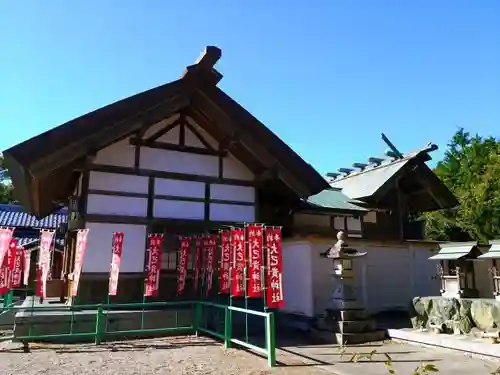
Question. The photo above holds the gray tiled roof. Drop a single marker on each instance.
(12, 215)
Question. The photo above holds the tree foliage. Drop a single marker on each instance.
(471, 170)
(6, 189)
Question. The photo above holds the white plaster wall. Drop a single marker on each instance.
(179, 162)
(160, 125)
(115, 205)
(120, 154)
(322, 278)
(191, 139)
(172, 136)
(233, 168)
(298, 278)
(118, 182)
(78, 186)
(232, 212)
(232, 193)
(97, 256)
(339, 222)
(163, 208)
(179, 188)
(425, 282)
(389, 278)
(353, 223)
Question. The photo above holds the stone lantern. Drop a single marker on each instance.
(345, 321)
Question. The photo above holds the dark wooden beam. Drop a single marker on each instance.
(152, 196)
(109, 135)
(267, 175)
(168, 175)
(153, 137)
(179, 148)
(199, 225)
(197, 134)
(207, 102)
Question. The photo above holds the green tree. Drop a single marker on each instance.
(471, 170)
(6, 188)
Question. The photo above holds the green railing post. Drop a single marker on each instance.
(228, 326)
(7, 301)
(197, 318)
(98, 325)
(271, 340)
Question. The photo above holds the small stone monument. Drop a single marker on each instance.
(345, 321)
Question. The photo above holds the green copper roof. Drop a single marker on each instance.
(493, 252)
(457, 250)
(332, 199)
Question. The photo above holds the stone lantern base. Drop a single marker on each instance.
(347, 327)
(346, 321)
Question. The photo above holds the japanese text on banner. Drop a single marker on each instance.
(116, 259)
(185, 243)
(197, 262)
(46, 237)
(238, 245)
(274, 268)
(26, 266)
(154, 266)
(209, 245)
(5, 237)
(7, 267)
(254, 238)
(81, 245)
(17, 272)
(225, 262)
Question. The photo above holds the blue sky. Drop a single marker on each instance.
(327, 76)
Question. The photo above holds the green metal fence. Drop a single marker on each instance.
(100, 323)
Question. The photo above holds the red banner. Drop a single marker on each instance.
(197, 262)
(255, 239)
(183, 261)
(81, 244)
(209, 246)
(225, 261)
(5, 237)
(26, 266)
(154, 266)
(17, 272)
(4, 277)
(7, 267)
(238, 245)
(43, 268)
(274, 268)
(116, 259)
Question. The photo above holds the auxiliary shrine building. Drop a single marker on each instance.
(184, 158)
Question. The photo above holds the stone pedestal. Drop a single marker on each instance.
(346, 321)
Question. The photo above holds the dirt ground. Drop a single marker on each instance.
(172, 355)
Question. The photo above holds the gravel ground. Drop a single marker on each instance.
(173, 355)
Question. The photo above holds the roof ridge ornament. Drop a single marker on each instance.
(204, 66)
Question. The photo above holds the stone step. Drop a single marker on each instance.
(348, 338)
(347, 326)
(353, 314)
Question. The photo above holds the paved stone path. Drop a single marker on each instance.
(405, 358)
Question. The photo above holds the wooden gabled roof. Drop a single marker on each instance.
(375, 182)
(42, 168)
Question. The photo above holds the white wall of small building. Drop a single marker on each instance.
(387, 278)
